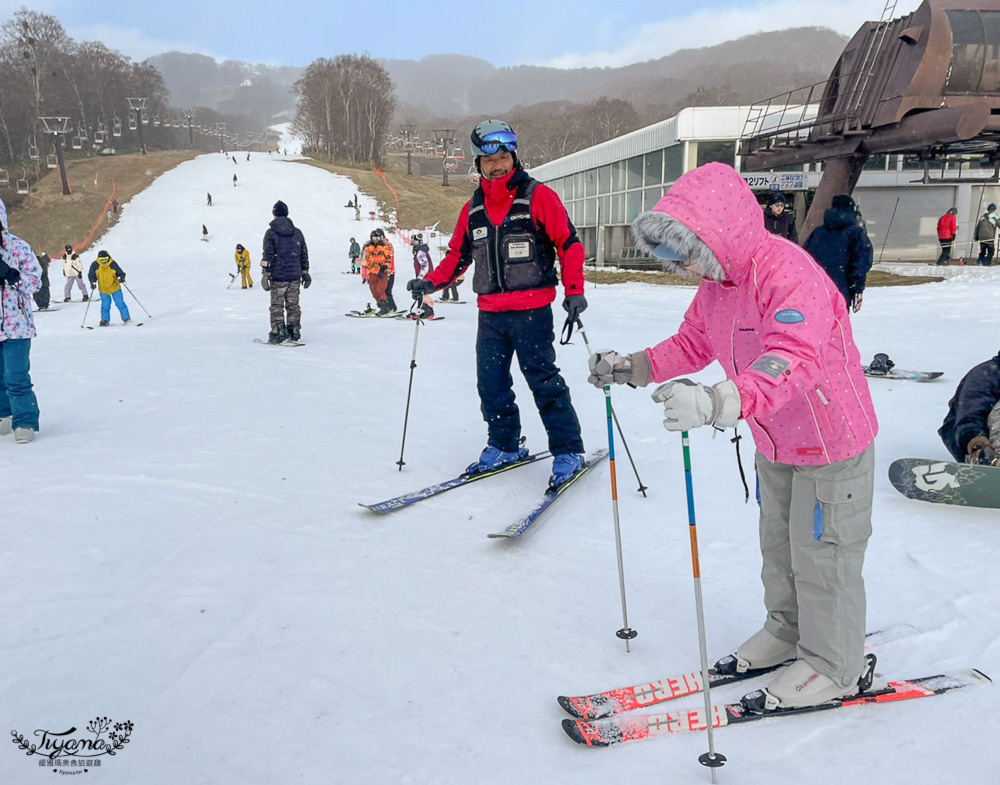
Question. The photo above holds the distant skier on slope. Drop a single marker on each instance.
(378, 260)
(243, 266)
(204, 233)
(422, 266)
(73, 272)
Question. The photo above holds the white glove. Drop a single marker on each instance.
(688, 404)
(609, 367)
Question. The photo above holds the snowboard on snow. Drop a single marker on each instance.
(370, 315)
(946, 482)
(45, 310)
(409, 317)
(450, 302)
(903, 375)
(283, 343)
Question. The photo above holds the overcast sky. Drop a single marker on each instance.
(505, 33)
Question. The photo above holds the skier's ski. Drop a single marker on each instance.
(946, 482)
(899, 374)
(522, 524)
(362, 314)
(391, 505)
(628, 728)
(640, 696)
(140, 324)
(283, 343)
(450, 302)
(411, 318)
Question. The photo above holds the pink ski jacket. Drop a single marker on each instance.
(777, 325)
(16, 320)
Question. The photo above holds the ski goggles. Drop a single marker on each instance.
(495, 141)
(665, 253)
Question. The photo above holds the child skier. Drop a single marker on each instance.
(73, 273)
(243, 266)
(354, 252)
(106, 276)
(422, 265)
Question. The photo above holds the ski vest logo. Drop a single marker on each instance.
(479, 233)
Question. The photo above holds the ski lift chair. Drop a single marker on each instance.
(51, 162)
(76, 143)
(98, 137)
(82, 134)
(156, 120)
(132, 124)
(116, 127)
(459, 154)
(33, 152)
(22, 187)
(4, 177)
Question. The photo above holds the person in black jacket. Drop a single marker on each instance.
(971, 429)
(285, 264)
(777, 219)
(842, 248)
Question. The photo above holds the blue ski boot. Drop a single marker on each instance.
(564, 467)
(493, 458)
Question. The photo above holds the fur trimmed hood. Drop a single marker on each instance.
(709, 216)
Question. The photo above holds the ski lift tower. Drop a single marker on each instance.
(57, 127)
(138, 105)
(407, 129)
(189, 114)
(446, 138)
(220, 128)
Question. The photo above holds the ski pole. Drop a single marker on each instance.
(607, 389)
(626, 633)
(148, 314)
(712, 759)
(406, 419)
(85, 310)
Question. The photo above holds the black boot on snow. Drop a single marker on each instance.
(881, 364)
(294, 332)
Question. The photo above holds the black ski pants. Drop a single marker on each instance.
(529, 335)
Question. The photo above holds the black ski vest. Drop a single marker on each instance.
(514, 256)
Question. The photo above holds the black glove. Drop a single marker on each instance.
(9, 274)
(418, 288)
(92, 286)
(265, 281)
(121, 279)
(574, 305)
(381, 270)
(306, 279)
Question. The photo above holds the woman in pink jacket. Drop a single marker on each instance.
(780, 330)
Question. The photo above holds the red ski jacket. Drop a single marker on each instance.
(947, 226)
(550, 217)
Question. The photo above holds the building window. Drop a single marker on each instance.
(618, 176)
(673, 163)
(721, 152)
(633, 206)
(590, 177)
(618, 209)
(579, 184)
(635, 172)
(604, 180)
(603, 210)
(653, 173)
(651, 196)
(590, 217)
(557, 186)
(570, 191)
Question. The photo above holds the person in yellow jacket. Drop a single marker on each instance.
(243, 266)
(106, 276)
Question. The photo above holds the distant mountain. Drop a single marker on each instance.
(456, 86)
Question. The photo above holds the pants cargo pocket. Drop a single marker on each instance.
(844, 510)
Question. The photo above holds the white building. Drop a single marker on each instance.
(606, 186)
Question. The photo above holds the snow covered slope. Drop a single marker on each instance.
(183, 547)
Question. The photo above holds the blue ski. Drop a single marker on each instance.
(522, 524)
(398, 503)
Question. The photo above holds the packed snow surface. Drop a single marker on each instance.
(183, 546)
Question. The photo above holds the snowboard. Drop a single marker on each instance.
(902, 375)
(369, 315)
(45, 310)
(411, 318)
(946, 482)
(449, 302)
(283, 343)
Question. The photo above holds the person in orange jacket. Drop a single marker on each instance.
(379, 265)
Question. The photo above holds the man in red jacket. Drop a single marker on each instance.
(947, 229)
(513, 230)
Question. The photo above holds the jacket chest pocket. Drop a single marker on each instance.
(521, 268)
(483, 278)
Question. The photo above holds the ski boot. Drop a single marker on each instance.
(800, 685)
(278, 333)
(86, 298)
(564, 467)
(66, 299)
(493, 458)
(23, 435)
(5, 425)
(881, 365)
(294, 332)
(762, 650)
(103, 323)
